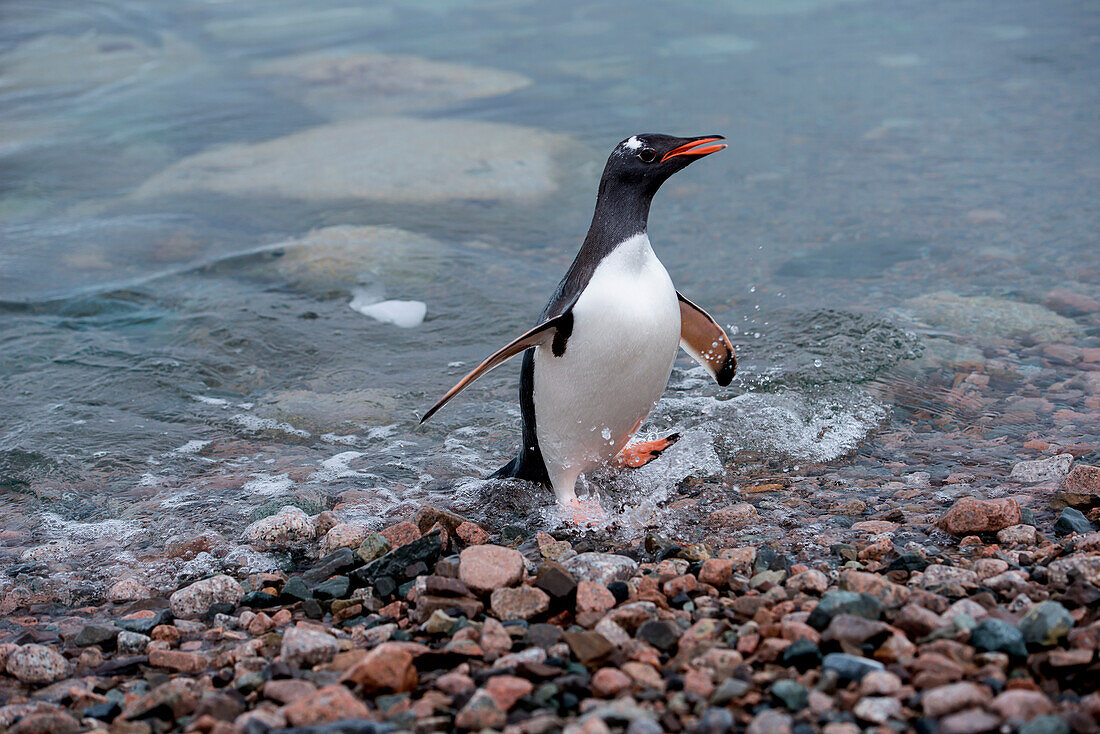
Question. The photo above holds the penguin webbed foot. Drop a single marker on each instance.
(640, 454)
(583, 513)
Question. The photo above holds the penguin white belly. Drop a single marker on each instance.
(617, 361)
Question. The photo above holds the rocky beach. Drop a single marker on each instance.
(438, 624)
(243, 247)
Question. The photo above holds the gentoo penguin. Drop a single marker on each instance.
(603, 350)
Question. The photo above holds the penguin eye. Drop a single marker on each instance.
(647, 155)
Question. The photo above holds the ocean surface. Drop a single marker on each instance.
(243, 245)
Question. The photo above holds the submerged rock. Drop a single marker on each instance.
(452, 159)
(352, 86)
(988, 315)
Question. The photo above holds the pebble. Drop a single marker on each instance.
(970, 515)
(523, 602)
(36, 664)
(603, 568)
(1072, 521)
(1053, 469)
(304, 647)
(196, 600)
(486, 568)
(1045, 624)
(877, 709)
(996, 635)
(288, 529)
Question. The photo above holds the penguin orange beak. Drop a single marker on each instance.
(696, 147)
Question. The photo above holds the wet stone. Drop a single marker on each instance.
(259, 600)
(602, 567)
(588, 647)
(969, 516)
(556, 581)
(729, 690)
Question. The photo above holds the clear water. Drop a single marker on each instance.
(170, 365)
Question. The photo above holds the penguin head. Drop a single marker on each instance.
(649, 160)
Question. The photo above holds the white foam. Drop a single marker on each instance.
(336, 467)
(255, 424)
(405, 314)
(191, 447)
(211, 401)
(801, 427)
(266, 484)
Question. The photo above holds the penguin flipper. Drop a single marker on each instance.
(557, 329)
(706, 342)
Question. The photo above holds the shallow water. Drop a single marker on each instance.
(178, 354)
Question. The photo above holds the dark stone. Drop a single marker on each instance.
(791, 694)
(312, 609)
(221, 705)
(555, 580)
(619, 590)
(336, 587)
(996, 635)
(94, 634)
(802, 655)
(259, 600)
(425, 550)
(296, 589)
(834, 603)
(663, 635)
(121, 666)
(768, 560)
(145, 625)
(908, 562)
(384, 586)
(346, 726)
(589, 648)
(106, 711)
(542, 635)
(846, 551)
(1027, 516)
(850, 667)
(1072, 521)
(1081, 594)
(338, 562)
(443, 586)
(220, 608)
(404, 589)
(508, 533)
(728, 690)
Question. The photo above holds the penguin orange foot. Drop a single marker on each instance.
(602, 352)
(640, 454)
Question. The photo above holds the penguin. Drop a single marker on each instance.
(602, 352)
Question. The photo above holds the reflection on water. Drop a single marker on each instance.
(901, 240)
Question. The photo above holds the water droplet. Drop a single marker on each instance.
(817, 363)
(606, 433)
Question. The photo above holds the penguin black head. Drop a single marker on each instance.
(647, 161)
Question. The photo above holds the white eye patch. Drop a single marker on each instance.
(632, 143)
